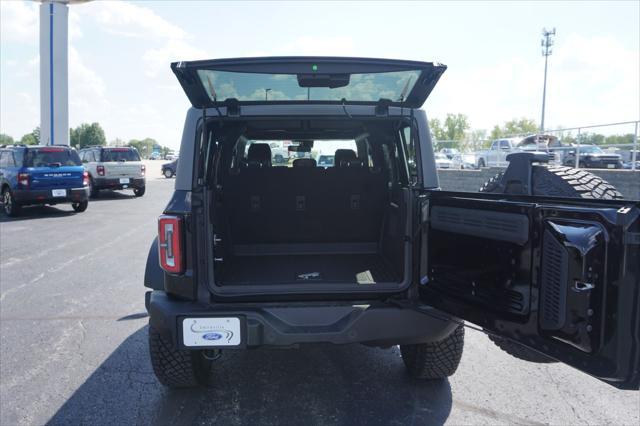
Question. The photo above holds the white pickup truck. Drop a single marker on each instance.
(496, 155)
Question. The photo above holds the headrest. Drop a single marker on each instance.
(304, 162)
(259, 155)
(346, 158)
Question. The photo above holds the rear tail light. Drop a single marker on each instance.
(170, 244)
(23, 180)
(85, 178)
(100, 170)
(143, 169)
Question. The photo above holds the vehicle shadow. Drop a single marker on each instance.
(109, 195)
(39, 212)
(315, 384)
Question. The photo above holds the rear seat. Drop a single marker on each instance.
(304, 204)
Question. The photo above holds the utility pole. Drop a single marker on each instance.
(546, 43)
(266, 94)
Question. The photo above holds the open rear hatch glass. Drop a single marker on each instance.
(307, 80)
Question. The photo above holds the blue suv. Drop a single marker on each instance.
(42, 175)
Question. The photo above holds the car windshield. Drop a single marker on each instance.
(591, 149)
(440, 156)
(46, 157)
(120, 154)
(221, 85)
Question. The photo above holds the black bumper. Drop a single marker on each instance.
(266, 325)
(44, 196)
(114, 183)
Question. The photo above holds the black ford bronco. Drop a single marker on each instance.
(253, 252)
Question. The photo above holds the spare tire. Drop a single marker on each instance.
(557, 181)
(561, 181)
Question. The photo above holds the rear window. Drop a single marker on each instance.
(120, 154)
(222, 85)
(47, 157)
(323, 151)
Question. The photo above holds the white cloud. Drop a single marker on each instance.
(19, 22)
(130, 20)
(157, 60)
(87, 89)
(591, 80)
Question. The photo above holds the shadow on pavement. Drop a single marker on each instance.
(316, 384)
(109, 195)
(39, 212)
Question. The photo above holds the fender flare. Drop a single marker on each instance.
(153, 273)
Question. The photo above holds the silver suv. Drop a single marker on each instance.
(114, 168)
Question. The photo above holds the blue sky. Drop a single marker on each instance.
(119, 56)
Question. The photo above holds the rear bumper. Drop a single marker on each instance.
(114, 183)
(45, 196)
(266, 325)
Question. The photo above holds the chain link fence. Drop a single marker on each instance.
(605, 146)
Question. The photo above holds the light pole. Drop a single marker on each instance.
(266, 94)
(546, 43)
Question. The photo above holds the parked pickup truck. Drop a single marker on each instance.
(496, 155)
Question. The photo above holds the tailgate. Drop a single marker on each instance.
(122, 169)
(56, 177)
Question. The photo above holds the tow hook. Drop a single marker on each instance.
(212, 354)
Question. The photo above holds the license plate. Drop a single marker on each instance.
(59, 192)
(124, 180)
(211, 331)
(611, 166)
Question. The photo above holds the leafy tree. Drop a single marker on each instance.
(32, 138)
(6, 139)
(436, 129)
(144, 146)
(515, 127)
(455, 126)
(87, 135)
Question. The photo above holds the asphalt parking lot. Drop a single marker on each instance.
(73, 349)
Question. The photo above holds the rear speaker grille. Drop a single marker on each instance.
(554, 283)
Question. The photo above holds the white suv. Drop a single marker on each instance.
(114, 168)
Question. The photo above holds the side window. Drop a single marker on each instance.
(18, 157)
(495, 145)
(11, 162)
(410, 152)
(504, 144)
(3, 159)
(81, 155)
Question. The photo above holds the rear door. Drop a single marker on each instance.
(560, 276)
(121, 163)
(53, 168)
(307, 80)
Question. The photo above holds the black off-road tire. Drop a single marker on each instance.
(93, 191)
(81, 206)
(434, 360)
(9, 205)
(521, 352)
(139, 192)
(559, 181)
(562, 181)
(175, 368)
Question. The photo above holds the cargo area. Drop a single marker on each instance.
(281, 218)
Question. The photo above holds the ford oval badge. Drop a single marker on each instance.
(212, 336)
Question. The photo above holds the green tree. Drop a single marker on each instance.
(6, 139)
(32, 138)
(455, 126)
(436, 129)
(87, 135)
(144, 146)
(514, 127)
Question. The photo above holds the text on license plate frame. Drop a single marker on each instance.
(211, 331)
